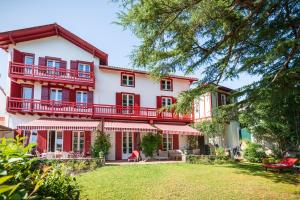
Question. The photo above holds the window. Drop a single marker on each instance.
(166, 84)
(78, 141)
(59, 141)
(28, 60)
(54, 64)
(127, 100)
(167, 142)
(85, 68)
(33, 137)
(166, 101)
(127, 80)
(56, 94)
(223, 99)
(81, 97)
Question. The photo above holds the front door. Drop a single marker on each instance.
(127, 144)
(27, 96)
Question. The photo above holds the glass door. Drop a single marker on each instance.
(55, 141)
(127, 144)
(27, 97)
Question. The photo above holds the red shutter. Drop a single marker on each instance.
(66, 94)
(158, 102)
(137, 100)
(175, 141)
(72, 96)
(45, 93)
(42, 141)
(18, 56)
(90, 97)
(42, 61)
(92, 66)
(118, 144)
(67, 141)
(15, 90)
(87, 142)
(137, 104)
(74, 66)
(136, 140)
(174, 100)
(119, 98)
(63, 66)
(119, 102)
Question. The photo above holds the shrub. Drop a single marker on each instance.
(101, 144)
(254, 153)
(221, 154)
(24, 178)
(151, 143)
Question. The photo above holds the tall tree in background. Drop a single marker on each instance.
(221, 39)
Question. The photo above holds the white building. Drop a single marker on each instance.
(204, 109)
(58, 88)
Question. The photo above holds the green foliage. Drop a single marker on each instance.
(101, 144)
(210, 128)
(192, 142)
(151, 143)
(24, 178)
(254, 153)
(221, 154)
(59, 185)
(223, 40)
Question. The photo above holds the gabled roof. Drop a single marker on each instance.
(123, 69)
(37, 32)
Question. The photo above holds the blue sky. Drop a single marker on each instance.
(91, 20)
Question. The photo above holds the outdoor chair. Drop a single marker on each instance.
(175, 154)
(285, 163)
(162, 155)
(134, 156)
(196, 151)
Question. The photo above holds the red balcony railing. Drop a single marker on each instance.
(49, 107)
(51, 74)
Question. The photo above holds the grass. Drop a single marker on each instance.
(188, 181)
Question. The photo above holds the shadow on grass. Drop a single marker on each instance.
(287, 176)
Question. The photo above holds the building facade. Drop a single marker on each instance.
(58, 88)
(204, 109)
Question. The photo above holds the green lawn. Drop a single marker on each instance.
(188, 181)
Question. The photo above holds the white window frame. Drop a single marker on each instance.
(82, 96)
(86, 68)
(54, 63)
(223, 99)
(56, 94)
(164, 84)
(127, 103)
(78, 141)
(26, 57)
(168, 143)
(126, 77)
(166, 101)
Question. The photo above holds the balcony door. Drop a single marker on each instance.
(27, 95)
(28, 61)
(55, 141)
(52, 65)
(127, 144)
(127, 103)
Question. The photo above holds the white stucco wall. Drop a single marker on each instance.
(203, 107)
(108, 83)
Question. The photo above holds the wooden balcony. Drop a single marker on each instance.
(49, 74)
(95, 111)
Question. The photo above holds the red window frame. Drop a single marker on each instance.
(128, 74)
(166, 79)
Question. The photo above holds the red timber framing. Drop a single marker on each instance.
(90, 110)
(38, 32)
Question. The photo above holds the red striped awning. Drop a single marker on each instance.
(59, 124)
(62, 124)
(177, 129)
(130, 126)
